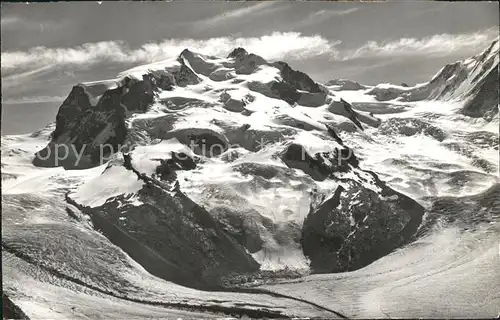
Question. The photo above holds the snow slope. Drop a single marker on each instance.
(225, 160)
(467, 80)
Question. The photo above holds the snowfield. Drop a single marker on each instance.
(221, 135)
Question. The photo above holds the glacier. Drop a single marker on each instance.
(208, 186)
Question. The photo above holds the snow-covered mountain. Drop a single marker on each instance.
(220, 173)
(474, 80)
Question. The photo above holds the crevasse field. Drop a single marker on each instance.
(221, 235)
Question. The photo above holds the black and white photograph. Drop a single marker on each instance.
(250, 159)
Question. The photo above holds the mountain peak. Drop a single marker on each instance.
(238, 53)
(186, 53)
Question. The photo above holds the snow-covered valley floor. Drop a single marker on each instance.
(57, 265)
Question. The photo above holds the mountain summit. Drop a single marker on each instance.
(473, 80)
(220, 173)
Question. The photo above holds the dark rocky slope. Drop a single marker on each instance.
(10, 310)
(178, 240)
(356, 226)
(363, 220)
(97, 130)
(484, 102)
(471, 210)
(168, 234)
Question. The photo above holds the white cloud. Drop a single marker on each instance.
(333, 13)
(278, 45)
(9, 20)
(15, 79)
(14, 22)
(234, 14)
(436, 45)
(321, 16)
(36, 99)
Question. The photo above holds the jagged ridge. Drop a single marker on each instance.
(202, 245)
(473, 80)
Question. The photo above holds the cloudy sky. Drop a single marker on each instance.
(46, 48)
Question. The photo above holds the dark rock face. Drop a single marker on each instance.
(334, 135)
(185, 76)
(94, 131)
(321, 165)
(469, 211)
(409, 127)
(485, 98)
(170, 235)
(244, 227)
(245, 63)
(71, 109)
(140, 95)
(234, 105)
(166, 82)
(292, 81)
(285, 91)
(355, 227)
(295, 156)
(238, 53)
(450, 78)
(10, 310)
(297, 79)
(385, 94)
(178, 161)
(207, 144)
(352, 115)
(345, 109)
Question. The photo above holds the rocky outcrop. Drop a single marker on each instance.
(10, 310)
(297, 86)
(245, 227)
(175, 238)
(244, 62)
(356, 226)
(94, 131)
(284, 91)
(297, 79)
(291, 80)
(71, 110)
(238, 53)
(344, 84)
(343, 108)
(410, 127)
(233, 104)
(474, 80)
(389, 93)
(320, 166)
(170, 235)
(363, 220)
(177, 161)
(469, 211)
(485, 97)
(185, 75)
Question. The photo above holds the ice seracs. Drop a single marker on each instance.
(204, 171)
